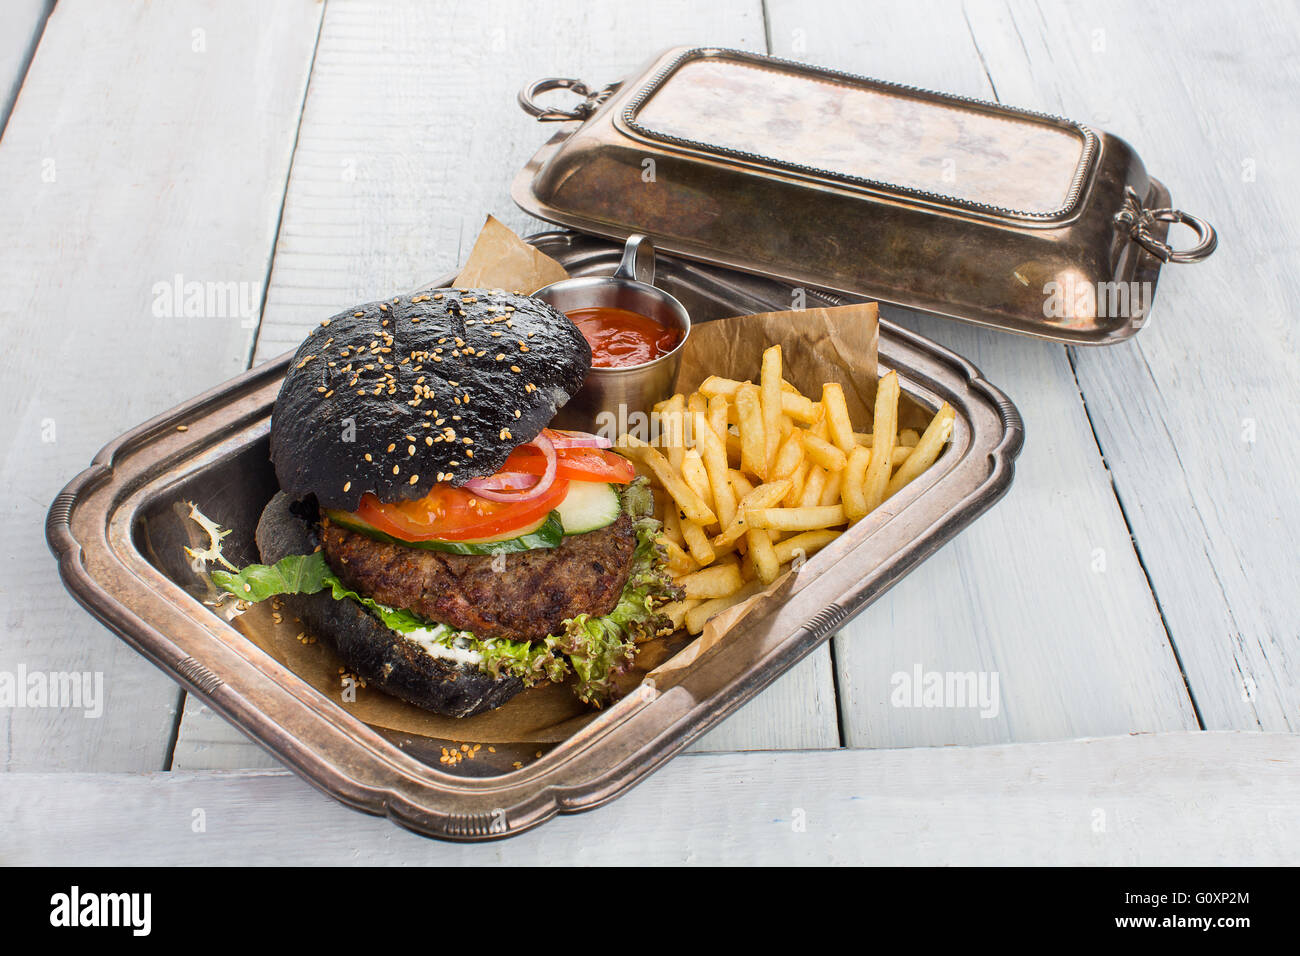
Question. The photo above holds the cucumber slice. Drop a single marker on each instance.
(589, 506)
(547, 533)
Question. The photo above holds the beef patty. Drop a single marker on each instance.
(531, 598)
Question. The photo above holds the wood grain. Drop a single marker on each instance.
(130, 158)
(1196, 415)
(1171, 799)
(401, 155)
(1076, 651)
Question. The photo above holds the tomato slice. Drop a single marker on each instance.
(576, 464)
(456, 514)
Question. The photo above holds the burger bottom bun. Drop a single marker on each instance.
(377, 654)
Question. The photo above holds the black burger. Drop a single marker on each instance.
(448, 545)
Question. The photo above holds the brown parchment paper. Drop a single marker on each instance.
(501, 260)
(818, 345)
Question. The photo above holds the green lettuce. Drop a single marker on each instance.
(595, 649)
(599, 647)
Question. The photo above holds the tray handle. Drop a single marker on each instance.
(1138, 223)
(592, 99)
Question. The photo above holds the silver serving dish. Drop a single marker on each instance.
(1003, 217)
(117, 530)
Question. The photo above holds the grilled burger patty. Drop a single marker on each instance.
(530, 598)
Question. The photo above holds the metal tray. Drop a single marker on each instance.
(1003, 217)
(117, 530)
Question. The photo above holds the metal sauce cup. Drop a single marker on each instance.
(612, 397)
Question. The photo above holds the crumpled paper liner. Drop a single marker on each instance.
(501, 260)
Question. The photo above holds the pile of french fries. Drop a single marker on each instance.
(752, 480)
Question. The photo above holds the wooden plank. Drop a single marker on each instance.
(21, 24)
(1156, 800)
(114, 182)
(1196, 415)
(400, 157)
(1018, 596)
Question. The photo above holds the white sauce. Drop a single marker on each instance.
(430, 640)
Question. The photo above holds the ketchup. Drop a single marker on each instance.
(620, 338)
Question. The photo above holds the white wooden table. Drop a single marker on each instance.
(1140, 578)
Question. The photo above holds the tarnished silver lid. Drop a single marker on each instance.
(1003, 217)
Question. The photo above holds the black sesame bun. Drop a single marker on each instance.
(377, 654)
(394, 397)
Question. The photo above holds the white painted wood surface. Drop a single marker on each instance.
(168, 160)
(1175, 799)
(1076, 652)
(401, 154)
(129, 158)
(1196, 416)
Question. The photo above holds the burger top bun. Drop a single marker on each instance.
(393, 397)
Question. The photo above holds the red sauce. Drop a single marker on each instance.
(620, 338)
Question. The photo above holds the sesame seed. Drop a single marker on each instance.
(347, 486)
(414, 479)
(396, 469)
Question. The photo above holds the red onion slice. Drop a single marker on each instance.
(568, 439)
(484, 487)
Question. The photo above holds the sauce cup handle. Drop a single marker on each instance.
(638, 262)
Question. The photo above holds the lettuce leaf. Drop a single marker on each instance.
(601, 647)
(306, 574)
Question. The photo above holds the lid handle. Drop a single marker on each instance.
(638, 262)
(590, 102)
(1139, 224)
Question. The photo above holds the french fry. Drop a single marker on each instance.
(695, 475)
(851, 487)
(800, 409)
(882, 443)
(697, 543)
(673, 524)
(823, 452)
(740, 483)
(797, 481)
(770, 393)
(927, 449)
(804, 545)
(788, 457)
(716, 385)
(672, 434)
(837, 417)
(714, 455)
(717, 411)
(753, 440)
(693, 507)
(909, 437)
(696, 402)
(764, 496)
(718, 581)
(763, 555)
(812, 487)
(679, 562)
(831, 490)
(676, 611)
(795, 519)
(698, 616)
